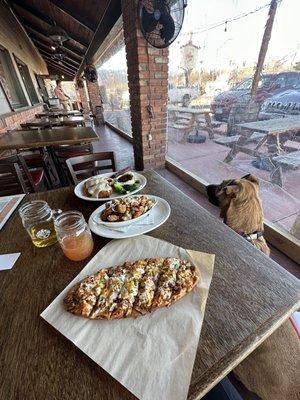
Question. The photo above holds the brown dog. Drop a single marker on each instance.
(241, 208)
(271, 370)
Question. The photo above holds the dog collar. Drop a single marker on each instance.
(251, 236)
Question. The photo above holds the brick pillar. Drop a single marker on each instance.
(95, 101)
(148, 85)
(84, 100)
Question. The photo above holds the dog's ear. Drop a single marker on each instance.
(251, 178)
(232, 190)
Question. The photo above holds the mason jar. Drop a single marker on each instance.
(37, 218)
(74, 235)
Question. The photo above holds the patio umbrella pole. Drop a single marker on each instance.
(264, 47)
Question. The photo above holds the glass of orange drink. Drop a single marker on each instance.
(74, 235)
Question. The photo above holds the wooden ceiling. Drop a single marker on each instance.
(86, 23)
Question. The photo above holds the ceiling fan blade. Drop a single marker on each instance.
(168, 29)
(149, 23)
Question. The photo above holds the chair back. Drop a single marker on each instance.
(22, 167)
(11, 180)
(83, 167)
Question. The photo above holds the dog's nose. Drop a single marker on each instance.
(211, 193)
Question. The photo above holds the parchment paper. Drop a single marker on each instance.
(152, 356)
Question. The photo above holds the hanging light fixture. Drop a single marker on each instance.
(57, 34)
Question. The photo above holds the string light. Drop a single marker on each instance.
(225, 22)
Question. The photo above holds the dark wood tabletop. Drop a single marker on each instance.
(250, 296)
(54, 121)
(47, 137)
(58, 113)
(273, 126)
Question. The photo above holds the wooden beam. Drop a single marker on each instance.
(67, 67)
(48, 40)
(55, 64)
(48, 46)
(67, 76)
(65, 9)
(108, 20)
(50, 52)
(17, 4)
(60, 68)
(264, 48)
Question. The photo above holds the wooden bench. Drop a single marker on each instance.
(291, 160)
(227, 140)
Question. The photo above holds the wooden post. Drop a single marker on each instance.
(264, 47)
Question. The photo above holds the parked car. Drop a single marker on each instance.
(181, 94)
(282, 104)
(269, 85)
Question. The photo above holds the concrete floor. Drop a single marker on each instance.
(111, 141)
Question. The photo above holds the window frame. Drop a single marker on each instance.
(27, 84)
(23, 102)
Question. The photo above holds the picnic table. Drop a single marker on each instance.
(250, 296)
(191, 121)
(275, 133)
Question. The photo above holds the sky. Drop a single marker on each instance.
(242, 39)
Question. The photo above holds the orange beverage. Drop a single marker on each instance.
(74, 235)
(77, 248)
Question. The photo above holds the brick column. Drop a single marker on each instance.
(148, 86)
(95, 101)
(84, 100)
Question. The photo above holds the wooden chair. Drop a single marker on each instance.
(11, 180)
(63, 152)
(35, 179)
(83, 167)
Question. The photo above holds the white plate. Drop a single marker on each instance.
(79, 192)
(120, 224)
(160, 214)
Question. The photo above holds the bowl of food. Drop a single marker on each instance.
(110, 186)
(124, 212)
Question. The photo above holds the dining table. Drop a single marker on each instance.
(249, 298)
(47, 137)
(48, 122)
(58, 113)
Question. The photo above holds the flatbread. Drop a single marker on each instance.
(132, 289)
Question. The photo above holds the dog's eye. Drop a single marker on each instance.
(233, 182)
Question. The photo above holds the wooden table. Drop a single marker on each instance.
(46, 137)
(194, 121)
(250, 296)
(59, 113)
(277, 132)
(55, 121)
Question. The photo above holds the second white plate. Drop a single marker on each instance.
(79, 192)
(159, 215)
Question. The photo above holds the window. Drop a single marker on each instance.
(24, 72)
(4, 104)
(114, 90)
(10, 82)
(204, 123)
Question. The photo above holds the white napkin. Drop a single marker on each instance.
(7, 261)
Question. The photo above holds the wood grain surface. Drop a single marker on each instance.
(250, 296)
(273, 126)
(46, 137)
